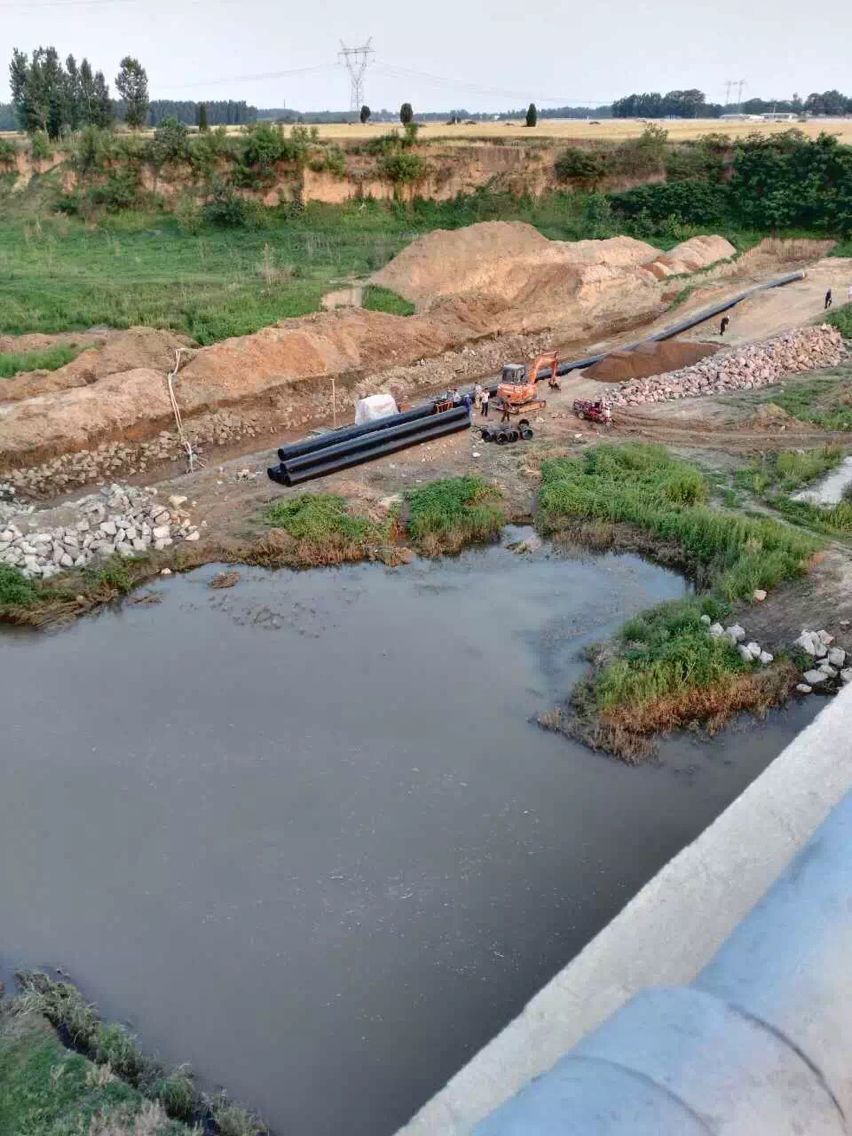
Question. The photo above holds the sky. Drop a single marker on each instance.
(447, 54)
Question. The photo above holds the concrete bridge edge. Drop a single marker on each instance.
(670, 930)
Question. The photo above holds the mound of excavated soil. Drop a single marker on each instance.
(648, 359)
(110, 354)
(691, 256)
(498, 260)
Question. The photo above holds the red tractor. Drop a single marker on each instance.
(594, 410)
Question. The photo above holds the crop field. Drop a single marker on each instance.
(577, 129)
(570, 129)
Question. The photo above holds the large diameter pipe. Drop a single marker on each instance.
(344, 461)
(308, 445)
(364, 441)
(684, 325)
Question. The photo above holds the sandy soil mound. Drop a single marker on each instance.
(118, 351)
(648, 359)
(691, 256)
(498, 260)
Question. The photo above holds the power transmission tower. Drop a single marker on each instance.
(356, 60)
(740, 84)
(728, 84)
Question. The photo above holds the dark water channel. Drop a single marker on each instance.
(302, 835)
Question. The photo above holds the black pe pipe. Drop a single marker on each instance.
(684, 325)
(308, 445)
(365, 441)
(432, 428)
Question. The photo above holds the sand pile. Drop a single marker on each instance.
(648, 359)
(746, 368)
(691, 256)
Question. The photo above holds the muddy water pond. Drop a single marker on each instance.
(302, 833)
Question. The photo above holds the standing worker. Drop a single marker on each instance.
(477, 396)
(849, 294)
(827, 303)
(467, 399)
(483, 402)
(723, 326)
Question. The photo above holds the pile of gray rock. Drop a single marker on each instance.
(119, 519)
(744, 368)
(829, 667)
(750, 652)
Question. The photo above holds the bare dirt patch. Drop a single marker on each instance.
(648, 359)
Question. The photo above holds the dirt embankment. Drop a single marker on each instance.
(469, 285)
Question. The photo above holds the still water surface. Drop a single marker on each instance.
(302, 834)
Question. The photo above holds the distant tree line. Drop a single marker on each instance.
(220, 112)
(693, 104)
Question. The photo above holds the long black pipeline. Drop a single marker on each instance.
(684, 325)
(365, 441)
(321, 443)
(308, 445)
(432, 428)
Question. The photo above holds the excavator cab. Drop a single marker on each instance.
(514, 374)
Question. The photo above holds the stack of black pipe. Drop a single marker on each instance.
(328, 453)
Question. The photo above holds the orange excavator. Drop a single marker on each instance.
(517, 390)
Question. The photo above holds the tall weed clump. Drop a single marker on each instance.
(446, 515)
(665, 668)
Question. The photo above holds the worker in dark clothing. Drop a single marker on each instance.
(827, 303)
(723, 326)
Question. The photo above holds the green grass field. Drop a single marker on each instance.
(144, 266)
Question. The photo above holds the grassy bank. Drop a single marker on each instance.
(15, 362)
(319, 529)
(80, 1075)
(664, 670)
(447, 515)
(775, 476)
(143, 265)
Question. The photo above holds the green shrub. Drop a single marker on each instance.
(8, 152)
(91, 150)
(177, 1093)
(15, 589)
(170, 143)
(113, 1045)
(113, 573)
(119, 192)
(402, 167)
(452, 512)
(226, 209)
(665, 651)
(316, 517)
(232, 1120)
(40, 148)
(581, 167)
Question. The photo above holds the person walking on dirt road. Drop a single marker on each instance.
(827, 303)
(483, 402)
(723, 326)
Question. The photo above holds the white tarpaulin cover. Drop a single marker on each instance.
(374, 407)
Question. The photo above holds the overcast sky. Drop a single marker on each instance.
(447, 54)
